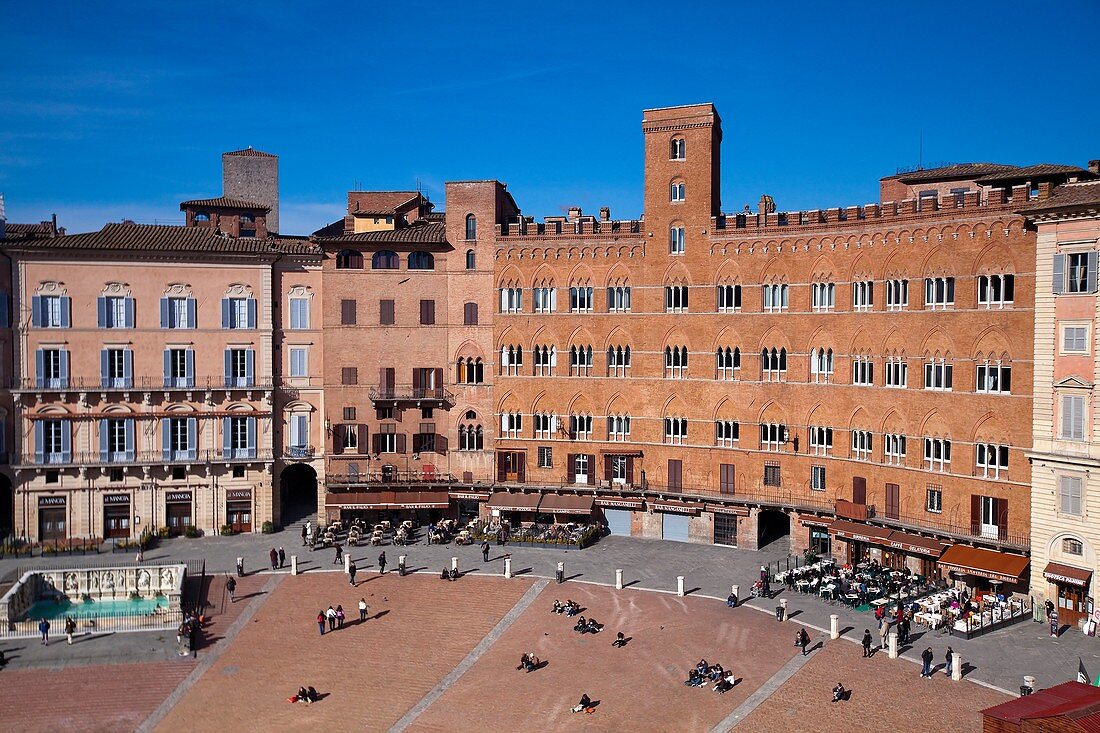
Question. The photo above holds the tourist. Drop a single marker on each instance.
(558, 608)
(620, 640)
(529, 662)
(581, 625)
(339, 555)
(716, 672)
(866, 642)
(44, 629)
(330, 614)
(803, 641)
(731, 601)
(724, 685)
(70, 629)
(453, 574)
(839, 692)
(1054, 623)
(926, 658)
(351, 573)
(593, 627)
(883, 629)
(382, 563)
(444, 575)
(321, 622)
(274, 557)
(702, 667)
(282, 558)
(947, 667)
(305, 531)
(339, 616)
(240, 567)
(485, 550)
(572, 608)
(765, 581)
(362, 610)
(584, 704)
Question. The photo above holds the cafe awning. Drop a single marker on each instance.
(389, 500)
(676, 507)
(859, 532)
(741, 511)
(514, 502)
(916, 544)
(1056, 572)
(981, 563)
(814, 520)
(422, 500)
(618, 502)
(566, 504)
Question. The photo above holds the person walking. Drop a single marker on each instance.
(70, 629)
(765, 581)
(866, 642)
(274, 557)
(321, 622)
(926, 658)
(362, 610)
(351, 573)
(340, 617)
(947, 667)
(485, 550)
(330, 614)
(339, 555)
(231, 586)
(1054, 623)
(282, 558)
(804, 641)
(305, 531)
(44, 629)
(883, 630)
(382, 563)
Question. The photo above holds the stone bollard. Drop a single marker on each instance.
(680, 585)
(454, 564)
(956, 666)
(783, 606)
(347, 563)
(618, 580)
(507, 567)
(892, 645)
(834, 626)
(401, 565)
(293, 564)
(559, 574)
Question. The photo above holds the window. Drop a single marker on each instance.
(545, 456)
(349, 375)
(179, 368)
(863, 295)
(897, 295)
(1073, 418)
(116, 368)
(545, 358)
(862, 444)
(772, 436)
(114, 311)
(299, 361)
(545, 425)
(772, 475)
(470, 371)
(545, 298)
(618, 361)
(618, 427)
(937, 454)
(580, 427)
(471, 260)
(726, 433)
(427, 313)
(775, 298)
(728, 298)
(177, 312)
(202, 216)
(1075, 339)
(116, 439)
(421, 261)
(992, 459)
(821, 364)
(299, 313)
(469, 314)
(939, 292)
(823, 296)
(385, 260)
(995, 291)
(894, 449)
(238, 313)
(54, 443)
(863, 371)
(350, 438)
(471, 226)
(934, 500)
(817, 478)
(618, 299)
(580, 299)
(471, 437)
(1071, 546)
(677, 149)
(387, 439)
(349, 414)
(50, 311)
(1075, 272)
(511, 300)
(239, 367)
(727, 362)
(676, 240)
(580, 360)
(676, 430)
(994, 378)
(821, 440)
(51, 368)
(677, 192)
(349, 259)
(897, 370)
(676, 298)
(676, 362)
(773, 364)
(387, 315)
(179, 437)
(937, 375)
(511, 359)
(511, 424)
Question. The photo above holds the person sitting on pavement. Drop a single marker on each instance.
(702, 666)
(453, 574)
(558, 608)
(443, 575)
(572, 608)
(839, 692)
(724, 685)
(584, 704)
(695, 678)
(581, 625)
(620, 640)
(528, 662)
(731, 601)
(716, 672)
(593, 627)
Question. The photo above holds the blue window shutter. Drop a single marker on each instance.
(1090, 276)
(166, 438)
(164, 323)
(104, 448)
(66, 441)
(104, 366)
(251, 312)
(1059, 275)
(228, 367)
(227, 437)
(101, 311)
(66, 308)
(225, 312)
(251, 433)
(167, 367)
(36, 310)
(189, 366)
(65, 367)
(249, 366)
(129, 308)
(130, 439)
(39, 441)
(128, 367)
(39, 368)
(192, 308)
(193, 436)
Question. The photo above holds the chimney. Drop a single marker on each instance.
(605, 213)
(1094, 166)
(574, 213)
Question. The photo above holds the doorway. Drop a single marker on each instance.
(298, 492)
(772, 525)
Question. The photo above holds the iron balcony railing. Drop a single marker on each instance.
(118, 384)
(124, 458)
(408, 393)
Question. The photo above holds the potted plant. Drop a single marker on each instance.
(267, 527)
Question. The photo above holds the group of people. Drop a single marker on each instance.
(927, 656)
(529, 662)
(277, 558)
(862, 584)
(187, 632)
(307, 695)
(569, 608)
(591, 626)
(451, 574)
(702, 673)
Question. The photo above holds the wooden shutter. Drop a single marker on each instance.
(675, 474)
(338, 438)
(386, 313)
(391, 378)
(591, 469)
(400, 442)
(607, 469)
(859, 490)
(726, 478)
(502, 466)
(570, 468)
(349, 375)
(376, 443)
(975, 514)
(1001, 514)
(347, 313)
(469, 315)
(893, 500)
(417, 382)
(1090, 275)
(630, 469)
(361, 436)
(521, 466)
(437, 382)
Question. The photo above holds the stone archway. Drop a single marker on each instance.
(297, 493)
(772, 525)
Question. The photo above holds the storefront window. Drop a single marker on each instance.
(820, 542)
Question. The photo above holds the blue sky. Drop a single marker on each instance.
(111, 112)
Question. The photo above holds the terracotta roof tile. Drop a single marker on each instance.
(161, 238)
(379, 203)
(1068, 195)
(960, 170)
(1034, 171)
(225, 202)
(419, 232)
(251, 152)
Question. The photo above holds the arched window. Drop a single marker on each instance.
(470, 371)
(471, 260)
(421, 261)
(385, 260)
(471, 226)
(677, 149)
(677, 191)
(202, 216)
(349, 259)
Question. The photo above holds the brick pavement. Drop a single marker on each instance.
(886, 695)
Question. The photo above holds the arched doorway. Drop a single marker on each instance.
(772, 526)
(298, 492)
(7, 507)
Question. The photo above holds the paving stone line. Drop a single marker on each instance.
(765, 691)
(210, 658)
(462, 667)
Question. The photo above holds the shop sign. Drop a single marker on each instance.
(178, 497)
(239, 495)
(48, 501)
(470, 495)
(619, 503)
(116, 498)
(1065, 579)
